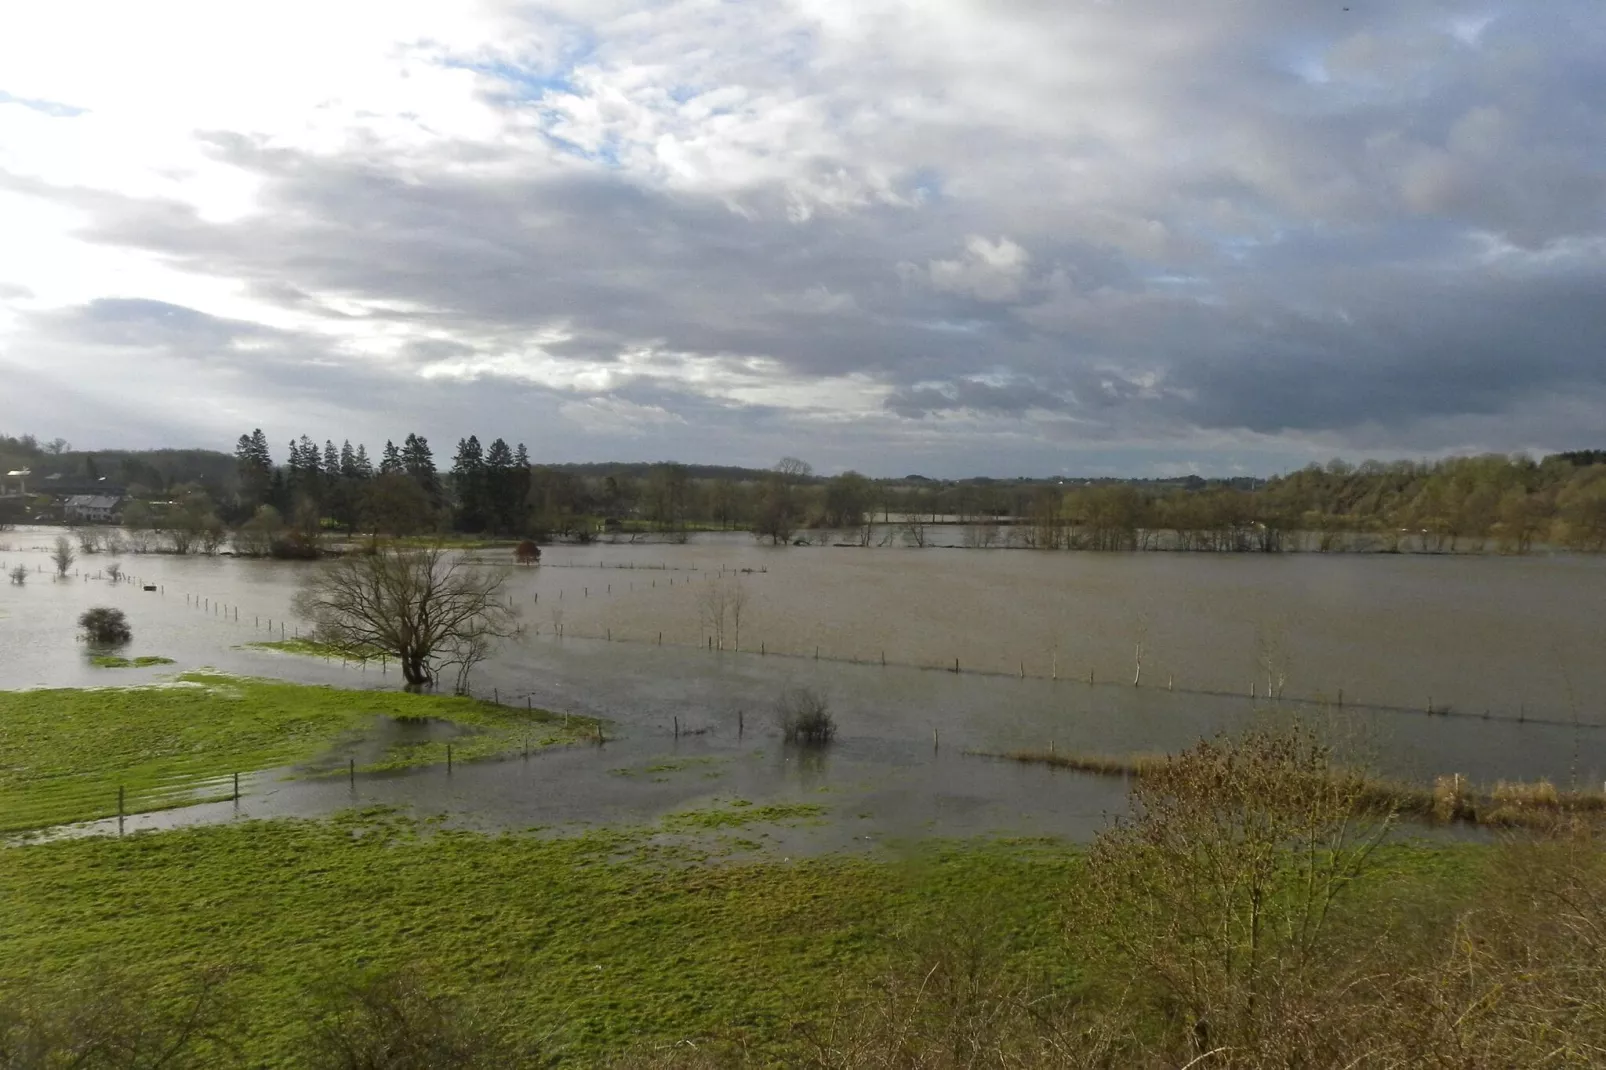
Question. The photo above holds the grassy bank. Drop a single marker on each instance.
(587, 946)
(1451, 798)
(64, 753)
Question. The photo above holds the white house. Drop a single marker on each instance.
(21, 476)
(95, 508)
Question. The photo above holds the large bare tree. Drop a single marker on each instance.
(430, 609)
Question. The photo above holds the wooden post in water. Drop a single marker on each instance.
(1430, 705)
(956, 666)
(739, 725)
(351, 770)
(1341, 698)
(935, 744)
(236, 787)
(1090, 678)
(448, 757)
(677, 727)
(1170, 682)
(496, 696)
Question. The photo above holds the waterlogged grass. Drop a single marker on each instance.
(117, 661)
(592, 944)
(556, 938)
(313, 649)
(742, 812)
(65, 753)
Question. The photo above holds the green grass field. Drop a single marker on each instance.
(593, 944)
(65, 753)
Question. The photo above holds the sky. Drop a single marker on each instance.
(952, 237)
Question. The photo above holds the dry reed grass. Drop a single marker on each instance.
(1452, 798)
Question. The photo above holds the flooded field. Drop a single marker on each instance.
(1505, 651)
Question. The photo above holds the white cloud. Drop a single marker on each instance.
(987, 270)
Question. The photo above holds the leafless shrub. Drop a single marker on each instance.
(108, 1021)
(1215, 903)
(804, 716)
(394, 1022)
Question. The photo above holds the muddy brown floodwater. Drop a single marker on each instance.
(1507, 652)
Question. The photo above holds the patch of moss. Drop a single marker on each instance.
(116, 661)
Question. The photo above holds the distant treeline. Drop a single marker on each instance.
(1510, 503)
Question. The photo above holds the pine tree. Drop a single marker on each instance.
(331, 460)
(348, 461)
(391, 460)
(364, 468)
(419, 462)
(522, 485)
(255, 467)
(501, 487)
(470, 483)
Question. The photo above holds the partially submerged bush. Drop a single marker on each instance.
(104, 625)
(19, 575)
(805, 716)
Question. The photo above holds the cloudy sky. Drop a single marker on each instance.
(947, 236)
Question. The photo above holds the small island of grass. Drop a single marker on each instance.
(117, 661)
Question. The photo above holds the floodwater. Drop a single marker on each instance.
(1506, 651)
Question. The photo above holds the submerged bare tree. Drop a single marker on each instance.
(1273, 656)
(63, 555)
(426, 608)
(720, 605)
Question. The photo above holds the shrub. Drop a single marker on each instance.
(394, 1023)
(527, 553)
(805, 716)
(105, 625)
(19, 575)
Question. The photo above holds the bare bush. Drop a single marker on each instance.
(1214, 905)
(19, 575)
(114, 573)
(804, 716)
(395, 1023)
(107, 1021)
(105, 626)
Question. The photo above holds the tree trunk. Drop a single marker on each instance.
(414, 671)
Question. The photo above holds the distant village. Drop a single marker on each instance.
(61, 499)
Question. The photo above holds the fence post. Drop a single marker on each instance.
(351, 770)
(448, 757)
(236, 787)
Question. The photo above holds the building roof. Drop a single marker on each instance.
(92, 501)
